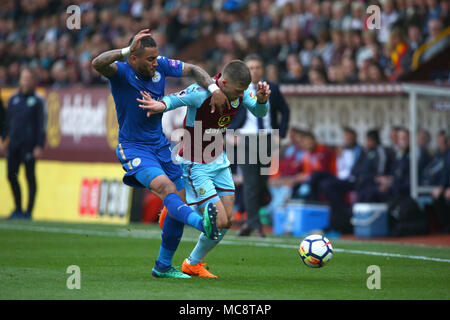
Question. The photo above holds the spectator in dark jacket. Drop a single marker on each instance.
(373, 164)
(424, 155)
(2, 117)
(24, 137)
(397, 182)
(434, 170)
(441, 195)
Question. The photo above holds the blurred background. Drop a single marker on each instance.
(334, 70)
(293, 37)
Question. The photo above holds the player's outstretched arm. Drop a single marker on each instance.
(258, 105)
(151, 105)
(190, 97)
(104, 63)
(219, 101)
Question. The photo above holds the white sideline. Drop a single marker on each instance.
(150, 234)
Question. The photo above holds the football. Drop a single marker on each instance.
(315, 251)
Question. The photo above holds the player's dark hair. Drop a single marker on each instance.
(146, 42)
(254, 57)
(29, 70)
(309, 134)
(237, 71)
(350, 130)
(373, 135)
(299, 130)
(426, 132)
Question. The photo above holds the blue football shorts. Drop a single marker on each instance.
(150, 162)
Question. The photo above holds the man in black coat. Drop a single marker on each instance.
(372, 164)
(254, 183)
(396, 183)
(441, 193)
(2, 117)
(23, 139)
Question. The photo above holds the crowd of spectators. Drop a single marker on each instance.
(301, 41)
(369, 173)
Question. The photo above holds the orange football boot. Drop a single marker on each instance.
(196, 270)
(162, 216)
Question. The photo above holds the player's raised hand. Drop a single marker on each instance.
(219, 102)
(263, 92)
(136, 43)
(150, 104)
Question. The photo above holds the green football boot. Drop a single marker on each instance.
(209, 221)
(169, 272)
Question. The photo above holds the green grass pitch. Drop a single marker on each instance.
(115, 263)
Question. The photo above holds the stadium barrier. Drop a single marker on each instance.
(327, 109)
(73, 192)
(79, 179)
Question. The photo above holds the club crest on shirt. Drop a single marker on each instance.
(136, 162)
(156, 77)
(202, 191)
(235, 103)
(31, 101)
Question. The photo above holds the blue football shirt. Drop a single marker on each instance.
(134, 125)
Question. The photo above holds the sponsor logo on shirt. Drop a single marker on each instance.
(224, 120)
(215, 130)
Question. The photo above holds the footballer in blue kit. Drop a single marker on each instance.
(206, 170)
(142, 143)
(143, 149)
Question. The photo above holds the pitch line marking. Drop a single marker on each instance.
(156, 235)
